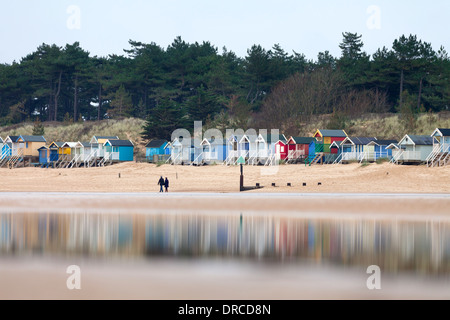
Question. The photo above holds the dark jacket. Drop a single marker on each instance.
(161, 181)
(166, 183)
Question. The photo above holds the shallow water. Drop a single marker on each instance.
(395, 246)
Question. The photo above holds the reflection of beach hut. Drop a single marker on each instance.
(440, 155)
(119, 150)
(414, 149)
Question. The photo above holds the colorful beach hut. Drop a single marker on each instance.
(56, 150)
(441, 148)
(98, 143)
(156, 150)
(378, 149)
(44, 155)
(119, 150)
(31, 144)
(269, 148)
(353, 148)
(298, 148)
(327, 137)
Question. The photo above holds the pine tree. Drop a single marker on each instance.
(38, 128)
(162, 120)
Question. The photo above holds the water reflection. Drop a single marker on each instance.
(393, 245)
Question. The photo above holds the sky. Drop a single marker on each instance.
(309, 27)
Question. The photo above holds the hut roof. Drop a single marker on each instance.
(70, 144)
(418, 140)
(443, 132)
(382, 142)
(331, 133)
(302, 140)
(120, 143)
(59, 144)
(421, 140)
(157, 143)
(269, 138)
(13, 138)
(360, 140)
(86, 144)
(33, 138)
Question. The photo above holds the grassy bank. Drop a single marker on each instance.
(382, 126)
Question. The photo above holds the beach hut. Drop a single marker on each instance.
(353, 148)
(98, 142)
(31, 144)
(155, 150)
(14, 146)
(378, 149)
(213, 152)
(414, 149)
(119, 150)
(56, 151)
(248, 148)
(268, 147)
(176, 155)
(232, 146)
(44, 155)
(441, 148)
(327, 137)
(1, 148)
(298, 148)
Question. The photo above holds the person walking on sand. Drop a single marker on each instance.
(161, 184)
(166, 184)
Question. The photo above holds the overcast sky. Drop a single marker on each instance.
(104, 27)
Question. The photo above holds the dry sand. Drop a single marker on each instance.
(142, 177)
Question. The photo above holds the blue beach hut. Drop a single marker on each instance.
(44, 155)
(156, 148)
(119, 150)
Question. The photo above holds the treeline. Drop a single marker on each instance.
(171, 87)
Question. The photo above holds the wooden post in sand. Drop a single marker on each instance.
(241, 185)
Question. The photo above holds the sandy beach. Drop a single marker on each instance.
(377, 192)
(143, 177)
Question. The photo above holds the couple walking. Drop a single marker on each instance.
(163, 183)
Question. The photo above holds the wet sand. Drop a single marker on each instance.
(181, 279)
